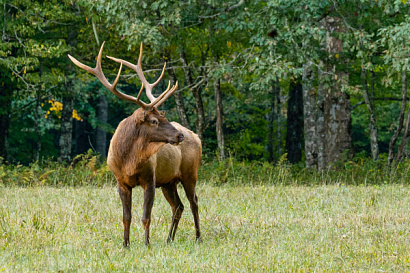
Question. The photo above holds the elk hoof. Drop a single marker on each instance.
(126, 244)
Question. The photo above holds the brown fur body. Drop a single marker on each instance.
(140, 155)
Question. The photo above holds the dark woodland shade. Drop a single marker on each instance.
(294, 132)
(6, 91)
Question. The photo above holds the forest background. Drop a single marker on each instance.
(313, 83)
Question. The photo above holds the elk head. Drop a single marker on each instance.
(153, 126)
(150, 122)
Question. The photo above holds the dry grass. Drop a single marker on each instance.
(259, 228)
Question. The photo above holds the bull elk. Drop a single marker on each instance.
(149, 151)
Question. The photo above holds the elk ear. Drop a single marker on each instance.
(138, 116)
(146, 115)
(162, 113)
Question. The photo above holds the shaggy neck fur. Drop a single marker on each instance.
(131, 146)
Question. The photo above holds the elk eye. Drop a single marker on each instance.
(154, 122)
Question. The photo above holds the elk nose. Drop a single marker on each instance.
(180, 137)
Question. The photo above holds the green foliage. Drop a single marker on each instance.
(85, 169)
(224, 40)
(395, 39)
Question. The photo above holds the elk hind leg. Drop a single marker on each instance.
(171, 194)
(189, 187)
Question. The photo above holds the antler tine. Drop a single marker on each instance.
(160, 77)
(148, 86)
(97, 71)
(161, 96)
(139, 95)
(167, 95)
(138, 68)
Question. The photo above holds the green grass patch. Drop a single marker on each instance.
(260, 228)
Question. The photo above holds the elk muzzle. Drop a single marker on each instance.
(179, 138)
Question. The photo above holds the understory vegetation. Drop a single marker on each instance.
(90, 170)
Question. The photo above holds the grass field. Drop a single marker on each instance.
(244, 229)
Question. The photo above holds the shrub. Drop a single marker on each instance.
(85, 169)
(89, 169)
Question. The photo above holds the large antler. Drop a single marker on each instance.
(148, 86)
(97, 71)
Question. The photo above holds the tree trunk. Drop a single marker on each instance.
(271, 119)
(102, 113)
(338, 123)
(309, 116)
(294, 132)
(179, 101)
(320, 123)
(404, 139)
(82, 134)
(66, 131)
(36, 125)
(200, 123)
(394, 138)
(102, 116)
(337, 110)
(6, 92)
(219, 119)
(368, 98)
(66, 124)
(278, 117)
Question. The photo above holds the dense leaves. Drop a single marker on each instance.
(250, 46)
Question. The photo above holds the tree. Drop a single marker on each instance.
(7, 86)
(309, 112)
(294, 131)
(395, 39)
(225, 55)
(369, 100)
(29, 53)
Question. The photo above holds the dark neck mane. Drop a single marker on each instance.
(132, 148)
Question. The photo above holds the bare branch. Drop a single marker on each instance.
(380, 99)
(228, 9)
(95, 31)
(237, 5)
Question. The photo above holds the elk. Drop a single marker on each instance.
(149, 151)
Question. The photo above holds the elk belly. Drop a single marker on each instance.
(168, 161)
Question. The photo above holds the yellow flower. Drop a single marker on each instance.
(76, 116)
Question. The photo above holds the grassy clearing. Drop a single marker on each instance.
(244, 228)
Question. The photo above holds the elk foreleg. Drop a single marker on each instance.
(171, 194)
(149, 195)
(125, 195)
(193, 201)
